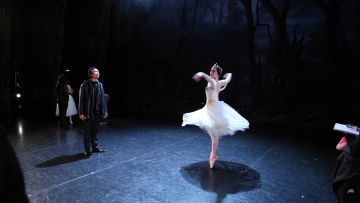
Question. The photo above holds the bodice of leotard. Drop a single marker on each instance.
(212, 92)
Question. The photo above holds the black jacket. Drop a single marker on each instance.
(348, 162)
(86, 97)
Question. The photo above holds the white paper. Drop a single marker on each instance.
(345, 129)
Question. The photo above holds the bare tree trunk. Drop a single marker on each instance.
(279, 58)
(255, 72)
(263, 24)
(185, 36)
(331, 71)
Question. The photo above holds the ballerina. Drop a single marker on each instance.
(71, 110)
(71, 107)
(217, 118)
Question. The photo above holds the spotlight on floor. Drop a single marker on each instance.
(20, 128)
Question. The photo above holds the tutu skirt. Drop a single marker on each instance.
(217, 119)
(71, 109)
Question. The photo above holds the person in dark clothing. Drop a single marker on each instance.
(92, 107)
(62, 98)
(107, 99)
(346, 179)
(12, 186)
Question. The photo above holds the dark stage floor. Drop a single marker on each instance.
(164, 162)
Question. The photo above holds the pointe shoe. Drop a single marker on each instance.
(212, 161)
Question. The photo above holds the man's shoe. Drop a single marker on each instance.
(97, 150)
(87, 154)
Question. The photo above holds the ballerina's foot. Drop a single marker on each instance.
(212, 161)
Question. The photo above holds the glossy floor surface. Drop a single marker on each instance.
(151, 161)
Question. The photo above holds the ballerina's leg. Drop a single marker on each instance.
(213, 153)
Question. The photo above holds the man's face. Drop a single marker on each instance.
(95, 74)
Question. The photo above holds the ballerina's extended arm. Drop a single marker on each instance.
(223, 83)
(197, 77)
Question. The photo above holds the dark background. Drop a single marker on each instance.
(294, 63)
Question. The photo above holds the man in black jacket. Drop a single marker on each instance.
(92, 107)
(346, 180)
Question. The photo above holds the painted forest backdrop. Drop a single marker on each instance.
(295, 63)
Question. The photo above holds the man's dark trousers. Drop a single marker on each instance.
(90, 136)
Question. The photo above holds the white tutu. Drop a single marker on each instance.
(217, 118)
(71, 109)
